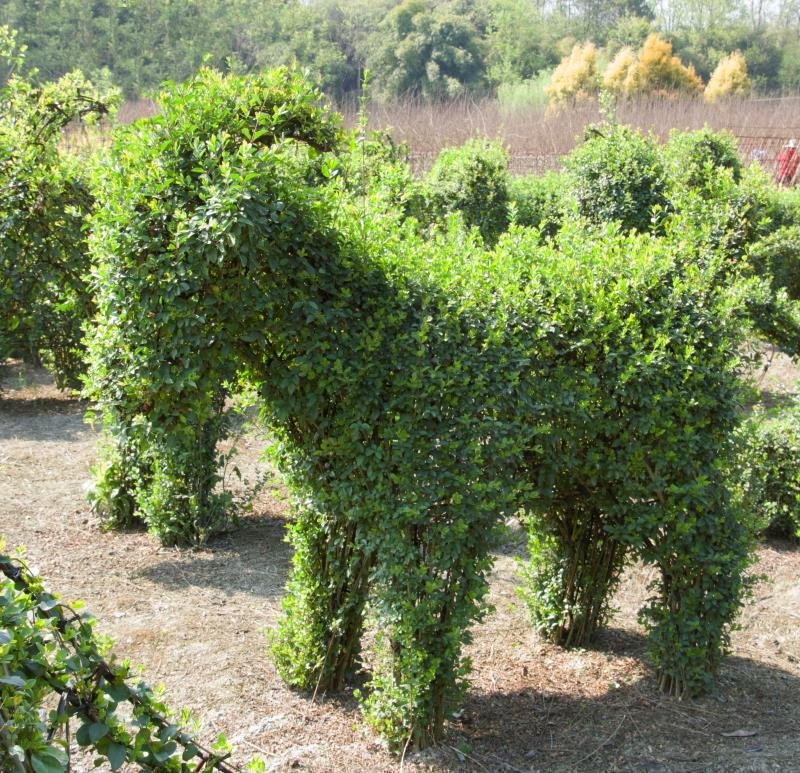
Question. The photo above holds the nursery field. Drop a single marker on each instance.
(196, 619)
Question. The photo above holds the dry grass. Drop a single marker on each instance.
(195, 619)
(537, 139)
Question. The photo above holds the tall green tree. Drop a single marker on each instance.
(433, 50)
(520, 42)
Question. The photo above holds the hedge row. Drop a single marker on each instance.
(45, 197)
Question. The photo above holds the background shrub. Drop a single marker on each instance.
(45, 198)
(539, 201)
(693, 158)
(619, 75)
(782, 206)
(617, 174)
(777, 256)
(768, 472)
(472, 180)
(373, 165)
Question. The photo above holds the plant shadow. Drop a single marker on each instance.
(252, 559)
(749, 722)
(43, 419)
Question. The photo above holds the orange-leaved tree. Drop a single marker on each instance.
(729, 78)
(654, 70)
(575, 78)
(620, 71)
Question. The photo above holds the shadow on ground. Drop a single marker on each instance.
(53, 419)
(254, 560)
(632, 727)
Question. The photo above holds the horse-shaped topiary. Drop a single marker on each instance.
(420, 390)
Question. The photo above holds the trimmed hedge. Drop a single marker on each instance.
(768, 472)
(45, 199)
(777, 257)
(617, 175)
(420, 388)
(539, 202)
(473, 180)
(694, 158)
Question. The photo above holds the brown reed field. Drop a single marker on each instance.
(536, 137)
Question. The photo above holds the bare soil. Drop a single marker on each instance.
(196, 620)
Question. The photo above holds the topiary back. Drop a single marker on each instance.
(472, 180)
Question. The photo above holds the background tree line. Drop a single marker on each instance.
(433, 49)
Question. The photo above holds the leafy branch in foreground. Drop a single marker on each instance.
(47, 647)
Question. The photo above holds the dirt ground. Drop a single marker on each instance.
(196, 620)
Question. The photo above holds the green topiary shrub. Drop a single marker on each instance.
(472, 180)
(724, 215)
(616, 174)
(777, 257)
(609, 486)
(783, 206)
(692, 158)
(45, 199)
(420, 389)
(539, 201)
(730, 220)
(767, 472)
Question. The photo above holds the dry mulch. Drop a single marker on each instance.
(196, 621)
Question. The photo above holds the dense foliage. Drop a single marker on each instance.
(695, 158)
(777, 256)
(48, 649)
(767, 472)
(420, 388)
(576, 77)
(539, 202)
(472, 180)
(44, 201)
(617, 174)
(175, 213)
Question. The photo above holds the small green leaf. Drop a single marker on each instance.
(49, 761)
(97, 730)
(116, 754)
(119, 692)
(82, 736)
(47, 603)
(162, 755)
(168, 733)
